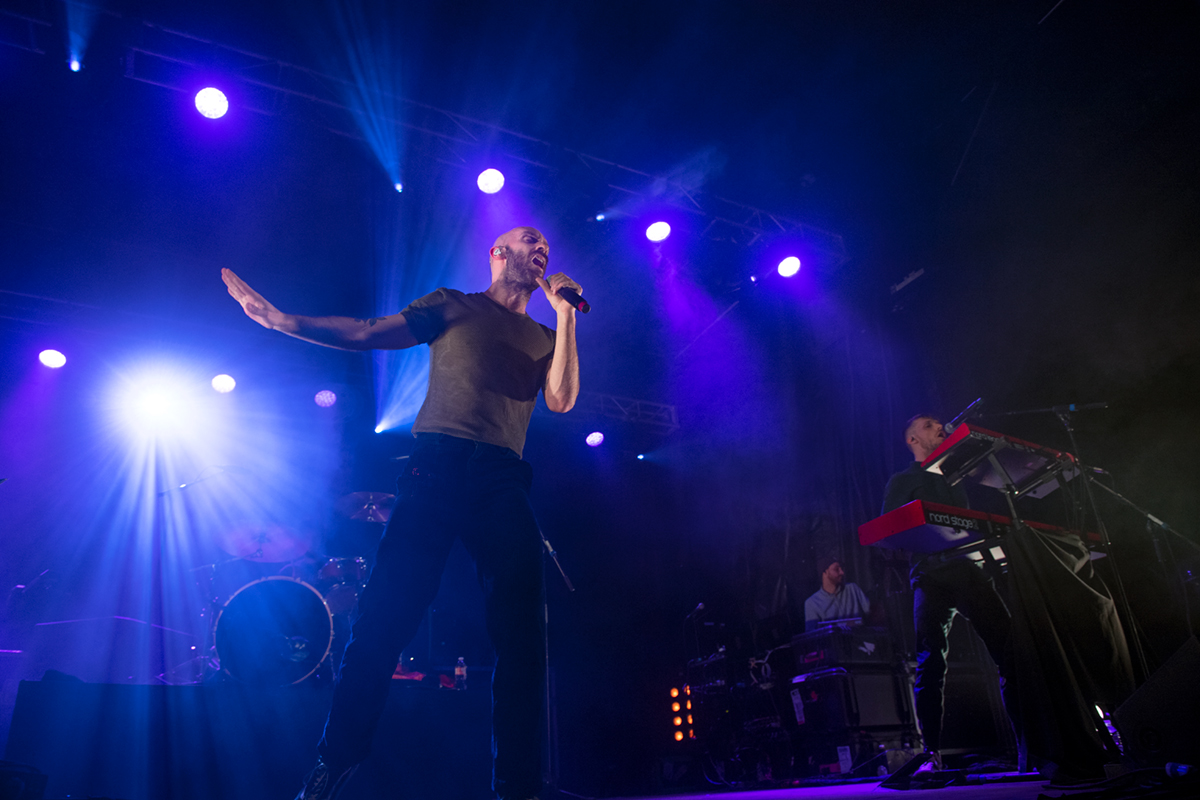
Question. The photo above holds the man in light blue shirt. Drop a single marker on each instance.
(836, 599)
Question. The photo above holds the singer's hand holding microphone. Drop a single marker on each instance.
(567, 289)
(559, 284)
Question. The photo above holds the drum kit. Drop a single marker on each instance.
(281, 628)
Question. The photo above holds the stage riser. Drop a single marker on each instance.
(232, 742)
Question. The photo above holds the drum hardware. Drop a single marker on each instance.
(206, 580)
(343, 570)
(273, 631)
(279, 629)
(266, 542)
(345, 577)
(341, 598)
(367, 506)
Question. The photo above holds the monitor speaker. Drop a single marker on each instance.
(1158, 722)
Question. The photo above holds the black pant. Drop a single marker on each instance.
(479, 493)
(939, 592)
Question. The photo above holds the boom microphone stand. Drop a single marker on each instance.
(1153, 526)
(551, 776)
(1063, 412)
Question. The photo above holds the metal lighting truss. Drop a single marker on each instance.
(641, 412)
(175, 60)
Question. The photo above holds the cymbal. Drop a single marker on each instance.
(367, 506)
(265, 542)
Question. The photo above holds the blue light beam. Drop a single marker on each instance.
(364, 58)
(81, 19)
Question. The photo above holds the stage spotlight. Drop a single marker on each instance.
(52, 358)
(599, 218)
(163, 403)
(224, 383)
(75, 65)
(399, 187)
(379, 428)
(490, 181)
(641, 457)
(325, 398)
(789, 266)
(154, 404)
(595, 439)
(212, 103)
(658, 231)
(156, 407)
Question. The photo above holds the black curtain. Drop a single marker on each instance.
(1069, 653)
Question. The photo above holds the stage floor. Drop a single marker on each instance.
(1025, 790)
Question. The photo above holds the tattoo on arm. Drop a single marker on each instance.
(371, 322)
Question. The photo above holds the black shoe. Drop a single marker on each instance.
(325, 784)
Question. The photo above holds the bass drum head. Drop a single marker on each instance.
(273, 632)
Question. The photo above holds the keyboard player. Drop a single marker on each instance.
(943, 588)
(837, 599)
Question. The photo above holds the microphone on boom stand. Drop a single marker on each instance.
(967, 413)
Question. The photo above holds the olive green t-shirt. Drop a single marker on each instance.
(486, 366)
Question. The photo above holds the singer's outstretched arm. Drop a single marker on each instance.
(345, 333)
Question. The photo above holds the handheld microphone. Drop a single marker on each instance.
(572, 297)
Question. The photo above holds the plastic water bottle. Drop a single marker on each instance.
(460, 674)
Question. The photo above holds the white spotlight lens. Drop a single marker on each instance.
(224, 383)
(490, 181)
(641, 457)
(155, 405)
(399, 187)
(658, 231)
(158, 409)
(789, 266)
(75, 65)
(595, 439)
(212, 103)
(599, 218)
(52, 358)
(325, 398)
(379, 428)
(161, 402)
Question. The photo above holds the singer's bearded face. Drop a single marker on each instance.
(527, 255)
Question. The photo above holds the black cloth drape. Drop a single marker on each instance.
(1069, 652)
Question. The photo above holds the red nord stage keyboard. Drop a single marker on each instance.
(924, 527)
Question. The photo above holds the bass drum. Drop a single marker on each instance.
(273, 631)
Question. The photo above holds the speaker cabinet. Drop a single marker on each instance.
(1158, 723)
